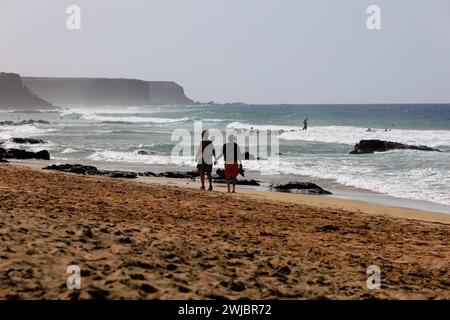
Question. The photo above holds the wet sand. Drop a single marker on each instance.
(146, 240)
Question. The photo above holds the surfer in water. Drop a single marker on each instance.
(305, 124)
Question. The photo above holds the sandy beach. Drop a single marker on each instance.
(144, 239)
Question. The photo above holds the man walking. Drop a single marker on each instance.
(233, 161)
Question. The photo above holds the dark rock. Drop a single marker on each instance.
(90, 170)
(26, 140)
(23, 122)
(147, 174)
(142, 152)
(241, 182)
(371, 146)
(74, 168)
(247, 182)
(303, 187)
(117, 174)
(220, 178)
(23, 154)
(179, 175)
(4, 161)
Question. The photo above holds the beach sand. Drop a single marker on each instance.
(146, 240)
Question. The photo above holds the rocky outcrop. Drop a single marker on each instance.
(15, 95)
(23, 122)
(220, 178)
(26, 140)
(106, 92)
(301, 187)
(23, 154)
(371, 146)
(241, 182)
(90, 170)
(171, 174)
(179, 175)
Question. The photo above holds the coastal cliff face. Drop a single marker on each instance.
(14, 95)
(106, 92)
(166, 92)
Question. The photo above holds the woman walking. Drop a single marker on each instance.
(204, 160)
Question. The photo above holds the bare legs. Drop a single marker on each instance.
(231, 181)
(208, 174)
(202, 180)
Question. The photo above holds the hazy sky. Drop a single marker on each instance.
(256, 51)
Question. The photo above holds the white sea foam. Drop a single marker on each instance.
(108, 110)
(351, 135)
(70, 150)
(121, 114)
(133, 119)
(132, 157)
(247, 126)
(25, 131)
(212, 120)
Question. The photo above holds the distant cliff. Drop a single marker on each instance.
(14, 95)
(106, 92)
(166, 92)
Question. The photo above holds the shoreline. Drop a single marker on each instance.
(317, 201)
(340, 191)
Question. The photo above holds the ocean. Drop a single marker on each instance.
(115, 137)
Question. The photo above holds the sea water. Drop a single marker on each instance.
(111, 137)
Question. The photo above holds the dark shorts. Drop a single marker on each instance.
(203, 167)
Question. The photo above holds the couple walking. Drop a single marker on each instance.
(232, 157)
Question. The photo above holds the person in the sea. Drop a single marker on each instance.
(305, 124)
(233, 162)
(204, 159)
